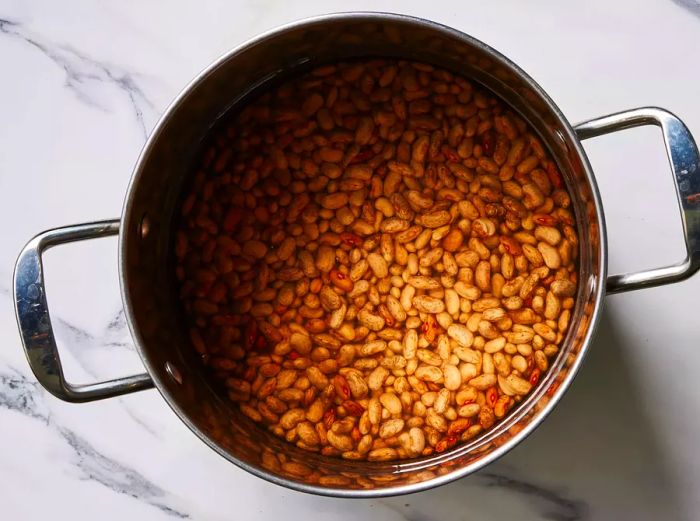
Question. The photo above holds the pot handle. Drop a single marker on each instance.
(34, 322)
(685, 166)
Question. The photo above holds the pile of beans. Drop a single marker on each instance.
(377, 260)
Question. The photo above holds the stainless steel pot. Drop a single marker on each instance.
(146, 263)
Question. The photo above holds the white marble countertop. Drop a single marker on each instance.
(83, 83)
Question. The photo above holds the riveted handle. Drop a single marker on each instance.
(685, 166)
(34, 321)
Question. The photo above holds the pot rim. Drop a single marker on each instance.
(128, 222)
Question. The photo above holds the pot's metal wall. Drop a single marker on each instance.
(150, 211)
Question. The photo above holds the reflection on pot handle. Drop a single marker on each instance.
(35, 324)
(685, 166)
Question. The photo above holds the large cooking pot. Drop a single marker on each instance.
(147, 267)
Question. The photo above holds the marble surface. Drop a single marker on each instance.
(82, 85)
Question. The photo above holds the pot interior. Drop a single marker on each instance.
(166, 166)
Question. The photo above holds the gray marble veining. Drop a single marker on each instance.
(18, 393)
(82, 73)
